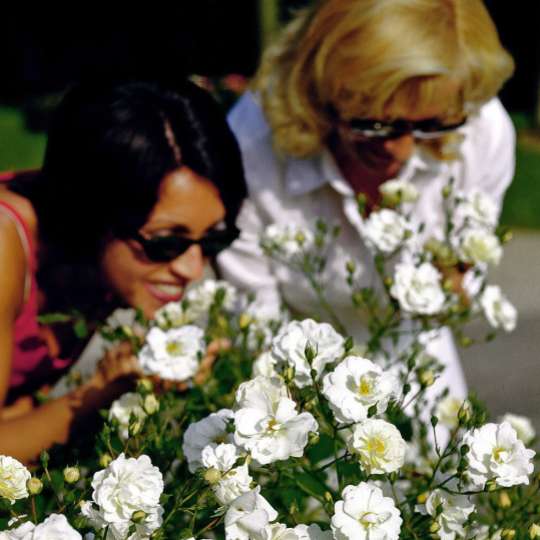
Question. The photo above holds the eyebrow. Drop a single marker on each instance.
(184, 229)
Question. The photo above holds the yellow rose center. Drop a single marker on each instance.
(499, 454)
(368, 519)
(273, 425)
(365, 388)
(376, 445)
(174, 348)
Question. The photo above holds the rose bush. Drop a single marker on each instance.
(299, 433)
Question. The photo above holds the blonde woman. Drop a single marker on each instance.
(355, 93)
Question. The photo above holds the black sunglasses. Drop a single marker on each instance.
(422, 129)
(167, 248)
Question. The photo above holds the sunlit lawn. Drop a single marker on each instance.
(20, 149)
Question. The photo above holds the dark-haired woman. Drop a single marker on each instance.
(140, 184)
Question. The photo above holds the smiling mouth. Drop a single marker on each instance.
(166, 292)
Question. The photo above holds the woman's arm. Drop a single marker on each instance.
(12, 277)
(25, 435)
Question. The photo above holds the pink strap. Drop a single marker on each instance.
(26, 241)
(7, 176)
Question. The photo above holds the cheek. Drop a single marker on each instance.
(122, 271)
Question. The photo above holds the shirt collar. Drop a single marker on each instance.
(305, 175)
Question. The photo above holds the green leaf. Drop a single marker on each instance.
(52, 318)
(310, 484)
(81, 328)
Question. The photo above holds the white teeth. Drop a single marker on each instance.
(171, 290)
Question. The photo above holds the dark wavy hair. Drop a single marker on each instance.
(109, 147)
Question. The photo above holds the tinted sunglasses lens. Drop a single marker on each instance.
(214, 244)
(432, 128)
(165, 249)
(370, 128)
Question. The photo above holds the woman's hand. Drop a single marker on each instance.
(118, 363)
(19, 407)
(212, 352)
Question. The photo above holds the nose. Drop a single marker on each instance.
(190, 264)
(400, 148)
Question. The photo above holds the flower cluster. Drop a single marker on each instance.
(298, 432)
(305, 346)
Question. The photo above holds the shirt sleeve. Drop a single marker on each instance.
(245, 265)
(491, 155)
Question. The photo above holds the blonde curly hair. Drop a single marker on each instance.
(357, 56)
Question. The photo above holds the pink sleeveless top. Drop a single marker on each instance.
(31, 365)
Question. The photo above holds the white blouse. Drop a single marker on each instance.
(288, 190)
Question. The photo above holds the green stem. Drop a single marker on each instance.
(34, 513)
(316, 286)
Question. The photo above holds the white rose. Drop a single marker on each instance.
(356, 385)
(476, 208)
(247, 516)
(523, 426)
(289, 241)
(398, 191)
(448, 409)
(267, 424)
(497, 453)
(259, 391)
(13, 478)
(418, 289)
(365, 514)
(22, 532)
(54, 527)
(450, 512)
(173, 315)
(472, 282)
(143, 529)
(499, 312)
(221, 457)
(201, 297)
(478, 246)
(209, 430)
(232, 484)
(174, 354)
(124, 487)
(278, 531)
(379, 445)
(289, 348)
(265, 365)
(122, 410)
(312, 532)
(385, 231)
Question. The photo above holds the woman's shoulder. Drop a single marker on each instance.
(491, 128)
(12, 257)
(21, 207)
(248, 122)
